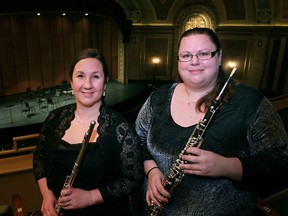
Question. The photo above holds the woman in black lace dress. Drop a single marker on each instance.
(111, 168)
(244, 149)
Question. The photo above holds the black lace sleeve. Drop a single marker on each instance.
(40, 166)
(121, 133)
(266, 169)
(54, 126)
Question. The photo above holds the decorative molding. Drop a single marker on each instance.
(197, 20)
(192, 17)
(121, 54)
(264, 17)
(264, 11)
(263, 4)
(135, 16)
(196, 16)
(131, 9)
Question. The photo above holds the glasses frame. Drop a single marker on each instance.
(213, 53)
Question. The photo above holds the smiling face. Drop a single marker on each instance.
(199, 73)
(88, 82)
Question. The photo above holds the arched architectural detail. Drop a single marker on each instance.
(131, 9)
(196, 16)
(264, 12)
(198, 20)
(139, 11)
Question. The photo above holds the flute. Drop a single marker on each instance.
(70, 178)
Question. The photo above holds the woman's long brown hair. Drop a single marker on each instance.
(222, 76)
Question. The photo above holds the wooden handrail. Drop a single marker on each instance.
(279, 97)
(280, 102)
(17, 149)
(21, 138)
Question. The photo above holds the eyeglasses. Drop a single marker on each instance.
(201, 55)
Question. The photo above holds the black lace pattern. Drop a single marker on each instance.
(116, 153)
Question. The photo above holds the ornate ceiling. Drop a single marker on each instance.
(164, 12)
(227, 12)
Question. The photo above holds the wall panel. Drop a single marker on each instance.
(236, 50)
(284, 70)
(114, 52)
(150, 42)
(106, 45)
(86, 37)
(57, 36)
(33, 51)
(45, 47)
(155, 48)
(275, 77)
(80, 33)
(20, 83)
(68, 45)
(38, 51)
(95, 36)
(6, 57)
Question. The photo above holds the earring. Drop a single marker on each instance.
(104, 93)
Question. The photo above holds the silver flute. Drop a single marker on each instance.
(176, 175)
(70, 178)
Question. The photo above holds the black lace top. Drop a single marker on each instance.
(246, 127)
(113, 163)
